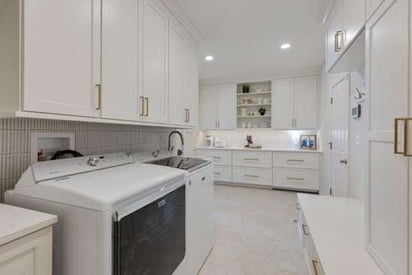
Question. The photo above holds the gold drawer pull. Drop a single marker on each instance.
(99, 97)
(248, 159)
(217, 173)
(295, 160)
(315, 267)
(293, 178)
(216, 157)
(304, 226)
(251, 176)
(142, 106)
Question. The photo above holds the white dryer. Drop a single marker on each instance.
(116, 217)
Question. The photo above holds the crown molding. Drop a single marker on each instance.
(180, 16)
(316, 70)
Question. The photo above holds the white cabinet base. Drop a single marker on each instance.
(30, 255)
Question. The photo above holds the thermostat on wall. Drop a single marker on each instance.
(356, 111)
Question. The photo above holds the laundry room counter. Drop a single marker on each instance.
(16, 222)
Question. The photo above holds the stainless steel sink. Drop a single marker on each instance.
(184, 163)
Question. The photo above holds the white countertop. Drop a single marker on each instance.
(264, 149)
(337, 226)
(16, 222)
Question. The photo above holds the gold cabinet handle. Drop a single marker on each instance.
(99, 96)
(250, 159)
(304, 226)
(146, 99)
(293, 178)
(142, 106)
(315, 267)
(295, 160)
(188, 115)
(338, 41)
(403, 152)
(251, 176)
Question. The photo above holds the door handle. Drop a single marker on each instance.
(343, 161)
(315, 267)
(403, 151)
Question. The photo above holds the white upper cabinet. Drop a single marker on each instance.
(97, 60)
(345, 23)
(372, 6)
(177, 111)
(61, 56)
(154, 55)
(283, 93)
(295, 103)
(120, 41)
(218, 107)
(183, 79)
(191, 86)
(306, 103)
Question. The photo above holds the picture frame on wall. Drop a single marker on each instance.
(308, 142)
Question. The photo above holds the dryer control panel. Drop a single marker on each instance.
(66, 167)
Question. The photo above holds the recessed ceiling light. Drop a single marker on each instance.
(285, 46)
(209, 58)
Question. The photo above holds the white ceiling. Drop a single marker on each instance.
(244, 36)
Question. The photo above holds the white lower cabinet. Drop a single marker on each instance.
(30, 255)
(200, 222)
(249, 175)
(252, 159)
(279, 169)
(222, 173)
(302, 179)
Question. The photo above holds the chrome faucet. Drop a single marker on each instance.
(170, 148)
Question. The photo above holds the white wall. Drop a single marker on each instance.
(265, 137)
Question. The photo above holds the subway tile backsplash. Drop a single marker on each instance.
(91, 138)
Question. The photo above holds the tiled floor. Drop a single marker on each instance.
(255, 233)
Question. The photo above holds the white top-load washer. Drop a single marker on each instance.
(115, 216)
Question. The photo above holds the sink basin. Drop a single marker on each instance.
(184, 163)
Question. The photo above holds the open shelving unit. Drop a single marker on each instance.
(249, 103)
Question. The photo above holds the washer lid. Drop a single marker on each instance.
(104, 189)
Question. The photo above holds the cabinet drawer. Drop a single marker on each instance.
(259, 176)
(222, 173)
(219, 157)
(296, 179)
(296, 160)
(252, 159)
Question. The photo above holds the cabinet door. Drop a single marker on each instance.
(354, 18)
(61, 56)
(155, 55)
(283, 104)
(200, 222)
(208, 107)
(306, 107)
(120, 41)
(334, 26)
(177, 48)
(191, 89)
(388, 205)
(226, 106)
(372, 6)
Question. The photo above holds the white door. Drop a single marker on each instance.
(120, 42)
(340, 138)
(155, 55)
(388, 74)
(208, 107)
(191, 89)
(306, 103)
(177, 48)
(61, 56)
(283, 102)
(226, 106)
